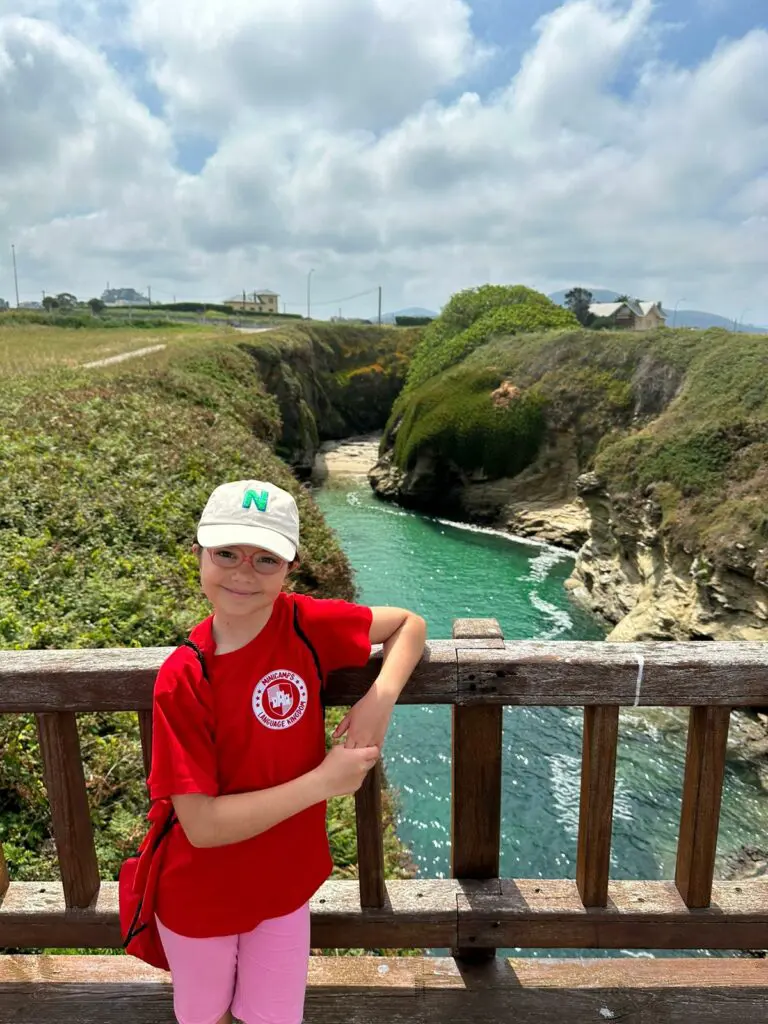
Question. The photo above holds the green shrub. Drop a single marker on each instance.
(413, 321)
(474, 316)
(80, 320)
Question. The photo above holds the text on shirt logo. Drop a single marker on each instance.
(280, 699)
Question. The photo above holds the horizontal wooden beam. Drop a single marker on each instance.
(122, 679)
(557, 673)
(575, 674)
(33, 914)
(410, 990)
(446, 914)
(639, 915)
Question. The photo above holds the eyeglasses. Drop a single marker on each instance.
(231, 558)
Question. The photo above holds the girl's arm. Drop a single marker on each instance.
(210, 821)
(403, 635)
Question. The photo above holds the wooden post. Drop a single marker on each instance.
(72, 830)
(476, 778)
(145, 730)
(5, 879)
(700, 813)
(598, 776)
(370, 840)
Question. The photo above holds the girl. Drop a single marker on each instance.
(241, 756)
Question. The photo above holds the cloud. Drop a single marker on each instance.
(362, 63)
(73, 137)
(346, 137)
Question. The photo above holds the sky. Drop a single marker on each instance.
(422, 146)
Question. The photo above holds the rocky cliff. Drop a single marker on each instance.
(634, 575)
(647, 454)
(330, 381)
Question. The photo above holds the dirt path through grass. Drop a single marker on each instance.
(123, 356)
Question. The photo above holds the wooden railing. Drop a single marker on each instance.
(475, 911)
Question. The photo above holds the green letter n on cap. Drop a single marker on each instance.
(259, 499)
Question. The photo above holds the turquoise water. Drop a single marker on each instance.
(445, 571)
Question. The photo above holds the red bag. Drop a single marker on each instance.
(137, 889)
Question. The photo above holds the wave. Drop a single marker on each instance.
(514, 538)
(559, 617)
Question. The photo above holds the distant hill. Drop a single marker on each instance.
(389, 318)
(683, 318)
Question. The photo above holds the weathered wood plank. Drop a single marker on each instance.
(702, 795)
(598, 777)
(476, 792)
(559, 673)
(70, 814)
(446, 914)
(416, 914)
(476, 778)
(145, 731)
(5, 879)
(574, 674)
(370, 839)
(417, 972)
(639, 915)
(123, 679)
(477, 629)
(410, 990)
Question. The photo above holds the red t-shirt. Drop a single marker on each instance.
(257, 723)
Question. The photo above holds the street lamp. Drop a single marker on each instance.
(674, 318)
(309, 293)
(15, 274)
(740, 321)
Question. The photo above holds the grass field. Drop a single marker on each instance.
(28, 349)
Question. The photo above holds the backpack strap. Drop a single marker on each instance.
(300, 632)
(193, 646)
(303, 637)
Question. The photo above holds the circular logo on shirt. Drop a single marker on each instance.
(280, 699)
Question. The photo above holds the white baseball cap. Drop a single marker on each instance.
(251, 512)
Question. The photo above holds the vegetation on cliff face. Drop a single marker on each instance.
(331, 381)
(678, 418)
(104, 474)
(476, 314)
(456, 418)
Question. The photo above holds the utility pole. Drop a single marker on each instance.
(15, 275)
(149, 293)
(379, 305)
(244, 303)
(309, 293)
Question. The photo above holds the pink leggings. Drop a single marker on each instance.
(261, 975)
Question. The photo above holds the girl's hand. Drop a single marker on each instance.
(367, 722)
(343, 771)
